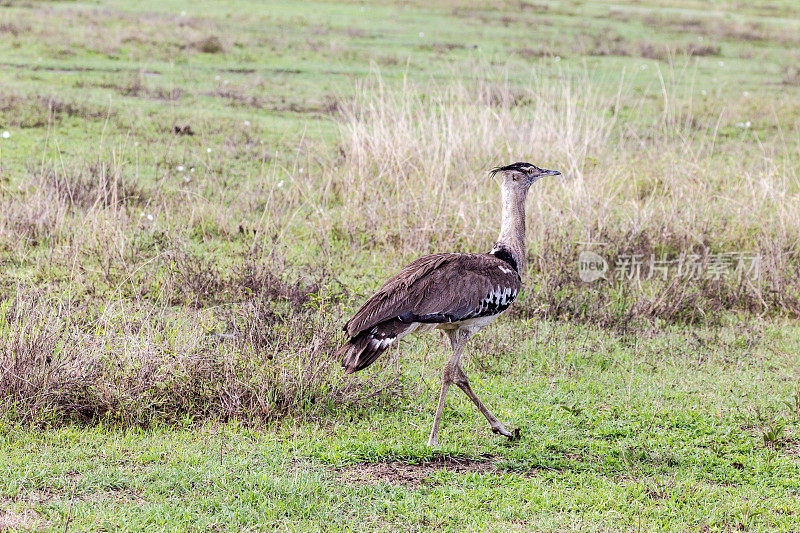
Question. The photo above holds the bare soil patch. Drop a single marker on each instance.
(414, 474)
(39, 497)
(789, 446)
(18, 521)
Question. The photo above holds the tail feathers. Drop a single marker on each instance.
(362, 350)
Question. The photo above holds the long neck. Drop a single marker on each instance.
(512, 230)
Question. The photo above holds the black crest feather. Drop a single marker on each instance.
(519, 165)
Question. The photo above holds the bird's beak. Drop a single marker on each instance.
(544, 172)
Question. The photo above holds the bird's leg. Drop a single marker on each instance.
(447, 378)
(433, 439)
(460, 379)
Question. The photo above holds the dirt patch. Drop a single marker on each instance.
(789, 446)
(17, 521)
(414, 474)
(39, 497)
(793, 448)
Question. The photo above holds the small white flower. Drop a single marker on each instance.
(704, 92)
(745, 93)
(246, 122)
(280, 183)
(225, 82)
(208, 150)
(180, 168)
(149, 217)
(747, 124)
(643, 67)
(191, 169)
(6, 134)
(421, 34)
(301, 169)
(39, 59)
(217, 77)
(557, 59)
(136, 143)
(186, 179)
(183, 13)
(721, 63)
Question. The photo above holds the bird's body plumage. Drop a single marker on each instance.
(459, 293)
(446, 291)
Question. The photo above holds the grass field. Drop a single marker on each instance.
(194, 196)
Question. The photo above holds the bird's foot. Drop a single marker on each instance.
(503, 431)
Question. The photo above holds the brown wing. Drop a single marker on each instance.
(441, 288)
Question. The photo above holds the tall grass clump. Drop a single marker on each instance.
(424, 150)
(139, 365)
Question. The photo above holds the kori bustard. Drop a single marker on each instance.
(459, 293)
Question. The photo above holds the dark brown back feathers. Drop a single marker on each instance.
(440, 288)
(433, 289)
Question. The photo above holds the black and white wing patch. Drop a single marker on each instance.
(496, 301)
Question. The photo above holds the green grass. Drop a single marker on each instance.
(146, 277)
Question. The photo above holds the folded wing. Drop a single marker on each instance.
(433, 289)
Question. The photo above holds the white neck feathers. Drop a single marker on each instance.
(512, 230)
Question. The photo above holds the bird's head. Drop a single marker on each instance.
(521, 175)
